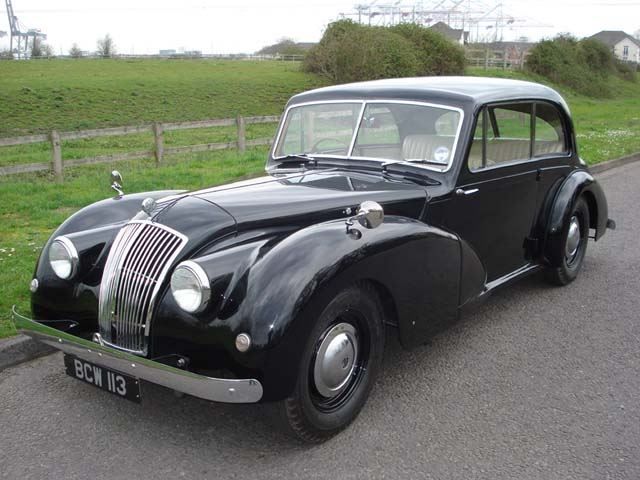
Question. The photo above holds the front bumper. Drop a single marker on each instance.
(214, 389)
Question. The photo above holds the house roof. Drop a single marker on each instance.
(450, 33)
(613, 37)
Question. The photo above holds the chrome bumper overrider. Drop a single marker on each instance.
(214, 389)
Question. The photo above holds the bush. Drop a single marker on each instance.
(350, 52)
(583, 65)
(436, 53)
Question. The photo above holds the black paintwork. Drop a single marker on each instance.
(277, 250)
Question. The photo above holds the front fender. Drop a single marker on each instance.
(416, 268)
(578, 183)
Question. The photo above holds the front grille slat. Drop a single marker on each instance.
(118, 251)
(146, 278)
(132, 266)
(138, 263)
(123, 291)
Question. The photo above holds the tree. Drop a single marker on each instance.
(40, 49)
(106, 47)
(637, 34)
(284, 46)
(75, 51)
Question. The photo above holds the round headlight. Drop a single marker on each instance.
(190, 286)
(63, 258)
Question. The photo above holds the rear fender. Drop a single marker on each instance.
(578, 183)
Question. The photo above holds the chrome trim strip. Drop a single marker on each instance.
(208, 388)
(364, 103)
(356, 129)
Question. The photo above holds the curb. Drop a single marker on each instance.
(618, 162)
(19, 349)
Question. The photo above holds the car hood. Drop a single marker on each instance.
(294, 200)
(312, 197)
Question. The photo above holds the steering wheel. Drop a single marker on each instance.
(341, 143)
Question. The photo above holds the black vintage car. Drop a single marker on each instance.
(387, 205)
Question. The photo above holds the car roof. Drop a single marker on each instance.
(461, 90)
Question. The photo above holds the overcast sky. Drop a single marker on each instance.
(234, 26)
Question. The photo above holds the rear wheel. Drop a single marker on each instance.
(339, 366)
(575, 237)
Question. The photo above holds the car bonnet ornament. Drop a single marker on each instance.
(148, 206)
(116, 183)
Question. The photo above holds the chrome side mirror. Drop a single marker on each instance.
(370, 215)
(116, 183)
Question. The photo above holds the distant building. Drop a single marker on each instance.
(455, 35)
(167, 53)
(623, 45)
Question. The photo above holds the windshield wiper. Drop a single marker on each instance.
(395, 168)
(424, 161)
(296, 158)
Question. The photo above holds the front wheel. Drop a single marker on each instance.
(575, 235)
(339, 366)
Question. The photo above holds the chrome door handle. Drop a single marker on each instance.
(471, 191)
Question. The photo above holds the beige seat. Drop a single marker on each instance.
(422, 147)
(500, 150)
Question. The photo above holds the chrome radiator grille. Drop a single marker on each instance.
(138, 262)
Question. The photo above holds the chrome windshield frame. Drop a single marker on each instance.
(356, 130)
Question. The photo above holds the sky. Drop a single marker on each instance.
(244, 26)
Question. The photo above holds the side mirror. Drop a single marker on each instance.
(116, 183)
(370, 215)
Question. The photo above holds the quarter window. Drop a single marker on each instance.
(549, 133)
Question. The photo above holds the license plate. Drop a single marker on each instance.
(105, 379)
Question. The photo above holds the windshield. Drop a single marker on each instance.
(380, 130)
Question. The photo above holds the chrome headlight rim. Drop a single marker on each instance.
(202, 281)
(72, 254)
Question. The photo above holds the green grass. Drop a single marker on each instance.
(33, 206)
(71, 94)
(605, 128)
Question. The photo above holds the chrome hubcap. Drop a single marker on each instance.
(336, 359)
(573, 238)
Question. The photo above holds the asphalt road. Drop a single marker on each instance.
(540, 383)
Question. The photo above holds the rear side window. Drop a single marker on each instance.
(505, 131)
(549, 134)
(509, 133)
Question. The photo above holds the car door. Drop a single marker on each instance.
(495, 195)
(553, 149)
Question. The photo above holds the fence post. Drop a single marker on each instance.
(486, 59)
(504, 60)
(242, 141)
(158, 134)
(56, 155)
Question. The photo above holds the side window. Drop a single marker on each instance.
(506, 137)
(550, 136)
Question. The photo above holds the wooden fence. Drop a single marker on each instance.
(159, 151)
(490, 58)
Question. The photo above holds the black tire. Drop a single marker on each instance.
(309, 415)
(572, 263)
